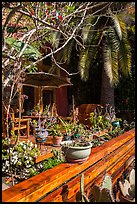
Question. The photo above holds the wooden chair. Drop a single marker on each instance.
(83, 112)
(24, 125)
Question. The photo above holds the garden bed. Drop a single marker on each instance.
(61, 183)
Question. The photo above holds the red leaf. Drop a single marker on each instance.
(60, 17)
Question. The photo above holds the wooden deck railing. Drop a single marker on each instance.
(61, 183)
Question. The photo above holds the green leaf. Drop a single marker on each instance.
(29, 52)
(70, 8)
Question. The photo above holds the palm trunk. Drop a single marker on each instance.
(107, 91)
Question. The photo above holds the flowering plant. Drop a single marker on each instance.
(19, 158)
(99, 121)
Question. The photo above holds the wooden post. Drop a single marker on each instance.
(20, 108)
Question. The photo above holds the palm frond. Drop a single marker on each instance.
(117, 26)
(124, 52)
(64, 55)
(110, 51)
(87, 28)
(88, 55)
(84, 64)
(67, 51)
(125, 57)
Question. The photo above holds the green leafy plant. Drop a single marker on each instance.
(30, 52)
(79, 129)
(21, 159)
(67, 126)
(34, 123)
(55, 130)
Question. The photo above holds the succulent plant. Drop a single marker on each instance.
(103, 193)
(100, 194)
(127, 188)
(81, 196)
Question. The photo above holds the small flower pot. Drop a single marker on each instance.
(77, 135)
(57, 140)
(67, 137)
(115, 124)
(41, 136)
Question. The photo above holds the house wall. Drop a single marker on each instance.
(61, 101)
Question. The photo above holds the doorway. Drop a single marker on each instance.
(29, 103)
(47, 98)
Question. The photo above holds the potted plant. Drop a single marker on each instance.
(40, 132)
(36, 110)
(67, 129)
(55, 131)
(100, 124)
(41, 135)
(76, 151)
(78, 130)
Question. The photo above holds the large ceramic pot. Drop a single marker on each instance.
(76, 154)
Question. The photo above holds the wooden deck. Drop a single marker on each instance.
(61, 183)
(45, 148)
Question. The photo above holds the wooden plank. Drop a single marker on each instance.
(118, 167)
(35, 187)
(21, 127)
(74, 185)
(97, 180)
(32, 187)
(43, 157)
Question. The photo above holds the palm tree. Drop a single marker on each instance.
(103, 34)
(111, 36)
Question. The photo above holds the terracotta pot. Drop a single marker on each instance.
(34, 113)
(57, 140)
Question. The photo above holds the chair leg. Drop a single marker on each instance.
(28, 129)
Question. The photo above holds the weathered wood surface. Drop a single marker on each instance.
(61, 183)
(43, 157)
